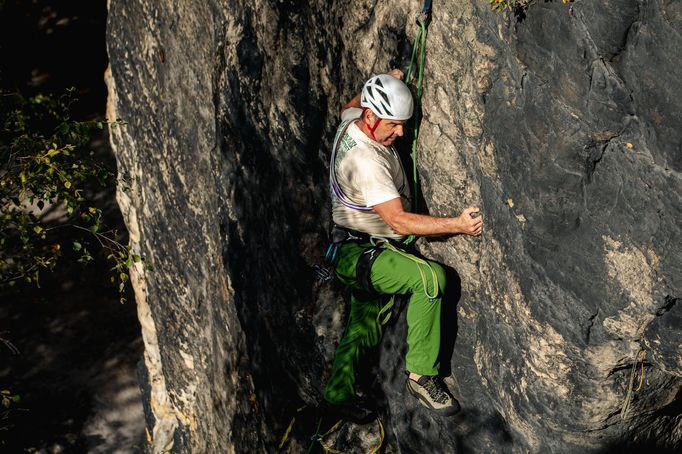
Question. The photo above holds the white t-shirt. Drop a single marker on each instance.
(368, 174)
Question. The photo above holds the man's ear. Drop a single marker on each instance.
(369, 118)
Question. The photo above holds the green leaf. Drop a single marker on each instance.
(67, 184)
(136, 258)
(77, 246)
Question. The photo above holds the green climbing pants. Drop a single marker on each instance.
(393, 273)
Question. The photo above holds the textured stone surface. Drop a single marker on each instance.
(572, 113)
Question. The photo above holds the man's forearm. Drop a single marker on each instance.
(420, 224)
(406, 223)
(355, 102)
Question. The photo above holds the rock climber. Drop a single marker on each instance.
(370, 210)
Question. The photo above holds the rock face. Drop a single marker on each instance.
(562, 125)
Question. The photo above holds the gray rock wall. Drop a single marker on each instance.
(570, 112)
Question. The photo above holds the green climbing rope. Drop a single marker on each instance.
(418, 54)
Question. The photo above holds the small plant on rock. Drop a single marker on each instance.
(516, 5)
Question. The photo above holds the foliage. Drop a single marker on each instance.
(501, 5)
(45, 166)
(8, 398)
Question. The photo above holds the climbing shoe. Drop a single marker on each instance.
(434, 395)
(357, 411)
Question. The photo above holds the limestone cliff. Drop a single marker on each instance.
(561, 123)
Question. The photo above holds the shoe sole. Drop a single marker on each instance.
(449, 411)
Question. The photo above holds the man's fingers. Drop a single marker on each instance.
(475, 223)
(397, 73)
(472, 212)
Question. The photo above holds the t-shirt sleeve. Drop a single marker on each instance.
(376, 183)
(351, 113)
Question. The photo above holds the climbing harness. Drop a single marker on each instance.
(363, 268)
(340, 235)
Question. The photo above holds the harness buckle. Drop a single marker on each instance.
(376, 241)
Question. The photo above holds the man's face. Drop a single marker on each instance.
(388, 131)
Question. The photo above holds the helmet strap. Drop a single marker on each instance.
(375, 126)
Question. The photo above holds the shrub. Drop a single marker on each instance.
(45, 167)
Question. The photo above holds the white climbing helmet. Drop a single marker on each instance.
(388, 97)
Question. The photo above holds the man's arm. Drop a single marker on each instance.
(405, 223)
(355, 102)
